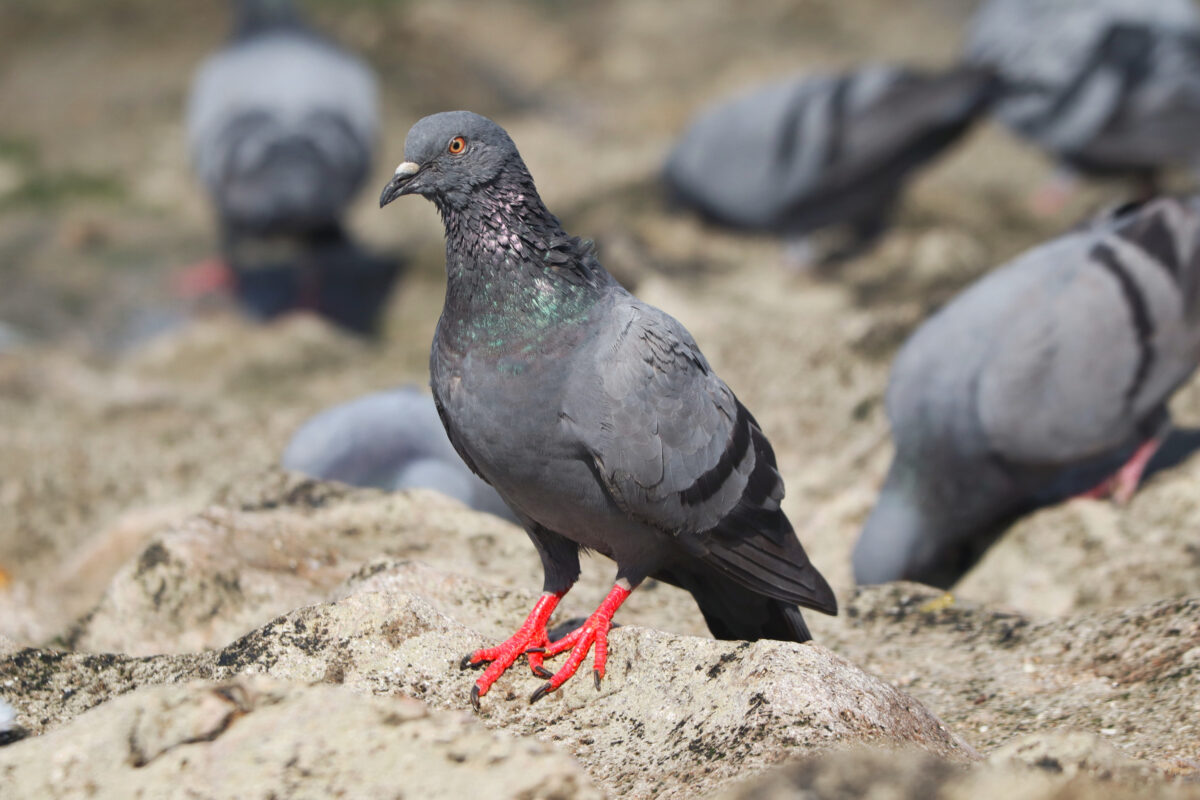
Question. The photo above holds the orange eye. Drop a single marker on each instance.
(456, 146)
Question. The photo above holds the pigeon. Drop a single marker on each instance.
(388, 440)
(823, 151)
(1038, 381)
(1103, 86)
(594, 416)
(281, 125)
(10, 731)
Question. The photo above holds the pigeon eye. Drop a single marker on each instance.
(456, 146)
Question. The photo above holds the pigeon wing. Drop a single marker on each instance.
(1076, 375)
(905, 118)
(676, 450)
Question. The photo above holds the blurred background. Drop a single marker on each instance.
(99, 206)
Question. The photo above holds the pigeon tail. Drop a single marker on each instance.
(733, 612)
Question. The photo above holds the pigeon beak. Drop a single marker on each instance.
(399, 183)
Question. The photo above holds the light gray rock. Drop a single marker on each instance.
(860, 774)
(259, 737)
(1128, 676)
(1071, 753)
(277, 541)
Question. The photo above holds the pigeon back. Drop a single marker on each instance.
(802, 154)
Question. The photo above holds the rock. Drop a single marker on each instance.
(1071, 753)
(259, 737)
(277, 540)
(1122, 675)
(859, 774)
(675, 716)
(1089, 554)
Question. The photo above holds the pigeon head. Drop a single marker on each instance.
(892, 540)
(448, 155)
(930, 534)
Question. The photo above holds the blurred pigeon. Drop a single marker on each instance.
(281, 124)
(1104, 86)
(388, 440)
(594, 415)
(1040, 380)
(10, 731)
(815, 152)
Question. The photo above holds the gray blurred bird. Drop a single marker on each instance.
(594, 415)
(1104, 86)
(281, 124)
(814, 152)
(388, 440)
(1035, 384)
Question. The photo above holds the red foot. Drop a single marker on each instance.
(1051, 197)
(211, 276)
(531, 634)
(579, 642)
(1122, 486)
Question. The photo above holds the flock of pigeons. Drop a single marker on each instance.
(594, 421)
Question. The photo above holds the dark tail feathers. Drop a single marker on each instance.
(733, 612)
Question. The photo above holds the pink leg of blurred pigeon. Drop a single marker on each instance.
(208, 277)
(1052, 197)
(1123, 484)
(799, 255)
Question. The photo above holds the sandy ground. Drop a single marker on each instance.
(103, 442)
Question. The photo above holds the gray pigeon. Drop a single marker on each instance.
(1104, 86)
(1037, 382)
(594, 415)
(821, 151)
(388, 440)
(281, 124)
(10, 731)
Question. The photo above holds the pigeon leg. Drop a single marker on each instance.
(799, 255)
(1123, 484)
(1052, 197)
(531, 634)
(208, 277)
(580, 641)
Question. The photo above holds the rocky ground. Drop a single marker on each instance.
(178, 617)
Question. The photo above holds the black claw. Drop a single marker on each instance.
(542, 672)
(535, 650)
(596, 675)
(542, 691)
(468, 663)
(475, 697)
